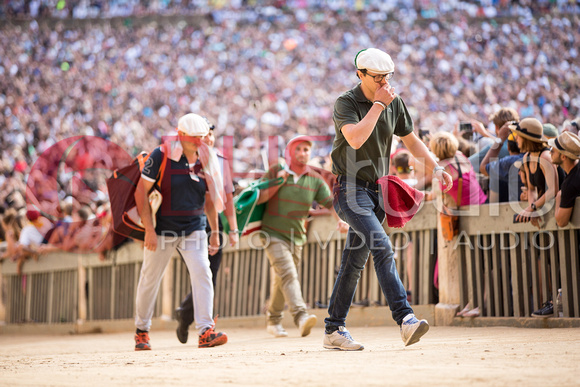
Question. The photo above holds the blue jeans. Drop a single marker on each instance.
(361, 209)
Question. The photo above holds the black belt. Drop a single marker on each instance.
(359, 182)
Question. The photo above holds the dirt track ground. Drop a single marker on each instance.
(446, 356)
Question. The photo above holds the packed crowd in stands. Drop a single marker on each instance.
(258, 69)
(410, 9)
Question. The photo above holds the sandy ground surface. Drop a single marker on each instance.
(446, 356)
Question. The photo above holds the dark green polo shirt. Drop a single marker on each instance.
(371, 160)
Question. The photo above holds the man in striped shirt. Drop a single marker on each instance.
(284, 231)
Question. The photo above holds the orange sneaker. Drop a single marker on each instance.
(142, 342)
(211, 338)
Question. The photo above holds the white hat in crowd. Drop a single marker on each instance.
(568, 144)
(193, 125)
(374, 60)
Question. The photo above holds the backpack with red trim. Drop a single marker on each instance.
(122, 186)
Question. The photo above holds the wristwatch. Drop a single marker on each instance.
(438, 168)
(533, 205)
(497, 143)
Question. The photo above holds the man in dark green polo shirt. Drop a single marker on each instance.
(366, 118)
(284, 224)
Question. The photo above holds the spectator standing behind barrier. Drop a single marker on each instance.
(498, 118)
(12, 225)
(187, 192)
(502, 187)
(184, 314)
(403, 162)
(445, 146)
(31, 241)
(572, 126)
(565, 153)
(365, 119)
(550, 131)
(542, 179)
(77, 236)
(283, 223)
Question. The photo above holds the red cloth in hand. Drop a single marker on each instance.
(401, 201)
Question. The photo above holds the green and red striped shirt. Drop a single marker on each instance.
(287, 210)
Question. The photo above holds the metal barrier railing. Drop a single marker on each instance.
(243, 284)
(506, 269)
(47, 293)
(510, 269)
(66, 287)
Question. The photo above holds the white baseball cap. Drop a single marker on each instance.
(193, 125)
(374, 60)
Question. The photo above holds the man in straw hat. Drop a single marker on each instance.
(565, 153)
(365, 119)
(541, 174)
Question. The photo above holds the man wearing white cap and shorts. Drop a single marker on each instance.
(565, 152)
(366, 118)
(180, 226)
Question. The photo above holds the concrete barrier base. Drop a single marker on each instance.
(366, 316)
(444, 314)
(372, 316)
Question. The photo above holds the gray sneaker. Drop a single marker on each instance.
(341, 339)
(412, 329)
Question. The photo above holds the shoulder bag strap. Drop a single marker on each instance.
(265, 183)
(460, 183)
(162, 167)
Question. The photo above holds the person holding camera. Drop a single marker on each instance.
(498, 118)
(502, 185)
